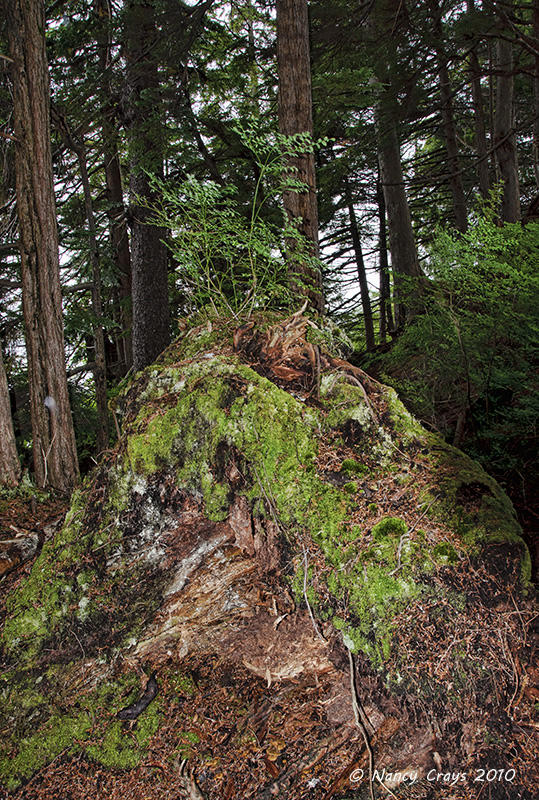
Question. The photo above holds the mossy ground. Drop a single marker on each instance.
(183, 417)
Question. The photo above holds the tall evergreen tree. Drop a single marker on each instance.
(10, 468)
(296, 116)
(146, 142)
(504, 135)
(385, 27)
(54, 451)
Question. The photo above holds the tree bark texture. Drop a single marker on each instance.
(54, 450)
(10, 468)
(448, 118)
(295, 116)
(504, 137)
(151, 315)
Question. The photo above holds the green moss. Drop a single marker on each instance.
(46, 597)
(344, 403)
(122, 748)
(234, 407)
(186, 741)
(389, 526)
(404, 424)
(49, 726)
(351, 467)
(445, 553)
(350, 487)
(59, 733)
(182, 684)
(473, 504)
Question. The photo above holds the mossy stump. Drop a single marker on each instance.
(267, 508)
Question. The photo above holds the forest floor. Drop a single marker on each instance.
(249, 748)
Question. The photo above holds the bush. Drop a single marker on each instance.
(465, 364)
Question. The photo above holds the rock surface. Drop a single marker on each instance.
(270, 517)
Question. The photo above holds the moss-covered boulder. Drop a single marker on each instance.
(267, 508)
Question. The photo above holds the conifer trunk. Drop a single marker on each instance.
(295, 116)
(448, 118)
(115, 200)
(10, 468)
(54, 450)
(361, 273)
(386, 314)
(504, 137)
(404, 259)
(151, 315)
(78, 148)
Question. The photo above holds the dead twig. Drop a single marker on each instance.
(358, 711)
(309, 609)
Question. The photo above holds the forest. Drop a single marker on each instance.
(339, 199)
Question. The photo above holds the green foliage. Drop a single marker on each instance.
(472, 350)
(230, 255)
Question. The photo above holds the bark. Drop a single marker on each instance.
(151, 315)
(504, 138)
(54, 450)
(295, 116)
(115, 201)
(480, 136)
(10, 468)
(361, 273)
(450, 135)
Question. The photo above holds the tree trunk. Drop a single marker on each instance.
(54, 450)
(361, 273)
(295, 116)
(404, 260)
(481, 148)
(450, 135)
(386, 314)
(10, 468)
(115, 200)
(151, 315)
(504, 137)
